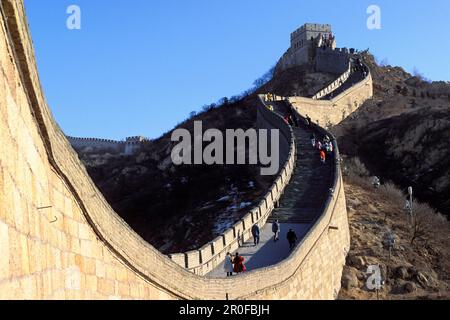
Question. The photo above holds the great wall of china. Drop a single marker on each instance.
(60, 239)
(129, 146)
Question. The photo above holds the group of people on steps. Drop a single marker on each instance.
(324, 146)
(236, 264)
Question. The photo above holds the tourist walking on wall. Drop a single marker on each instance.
(329, 147)
(323, 156)
(291, 121)
(293, 118)
(308, 121)
(228, 266)
(319, 145)
(313, 139)
(292, 238)
(239, 265)
(276, 230)
(255, 234)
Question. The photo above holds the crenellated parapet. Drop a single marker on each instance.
(128, 146)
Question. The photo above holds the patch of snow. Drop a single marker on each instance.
(245, 205)
(226, 198)
(235, 207)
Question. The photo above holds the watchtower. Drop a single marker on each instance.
(304, 44)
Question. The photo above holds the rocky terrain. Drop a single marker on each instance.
(402, 134)
(418, 264)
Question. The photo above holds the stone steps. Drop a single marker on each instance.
(304, 197)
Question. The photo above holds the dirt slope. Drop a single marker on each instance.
(413, 271)
(402, 134)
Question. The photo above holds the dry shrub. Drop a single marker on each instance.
(425, 222)
(355, 172)
(356, 167)
(393, 195)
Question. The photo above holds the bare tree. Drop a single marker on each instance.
(421, 221)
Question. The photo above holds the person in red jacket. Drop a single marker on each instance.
(239, 265)
(323, 156)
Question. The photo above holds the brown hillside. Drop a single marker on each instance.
(418, 270)
(402, 134)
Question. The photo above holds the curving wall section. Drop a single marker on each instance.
(60, 239)
(335, 84)
(332, 112)
(207, 258)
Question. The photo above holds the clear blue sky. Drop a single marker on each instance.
(139, 67)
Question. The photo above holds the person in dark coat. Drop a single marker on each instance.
(308, 121)
(276, 230)
(292, 238)
(255, 234)
(291, 121)
(313, 140)
(297, 125)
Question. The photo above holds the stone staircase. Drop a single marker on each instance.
(305, 196)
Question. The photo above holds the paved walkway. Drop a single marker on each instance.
(300, 205)
(268, 252)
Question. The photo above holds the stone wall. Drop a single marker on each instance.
(207, 258)
(332, 112)
(332, 60)
(60, 239)
(103, 144)
(130, 146)
(335, 84)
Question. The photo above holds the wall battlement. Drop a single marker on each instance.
(128, 146)
(311, 27)
(307, 46)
